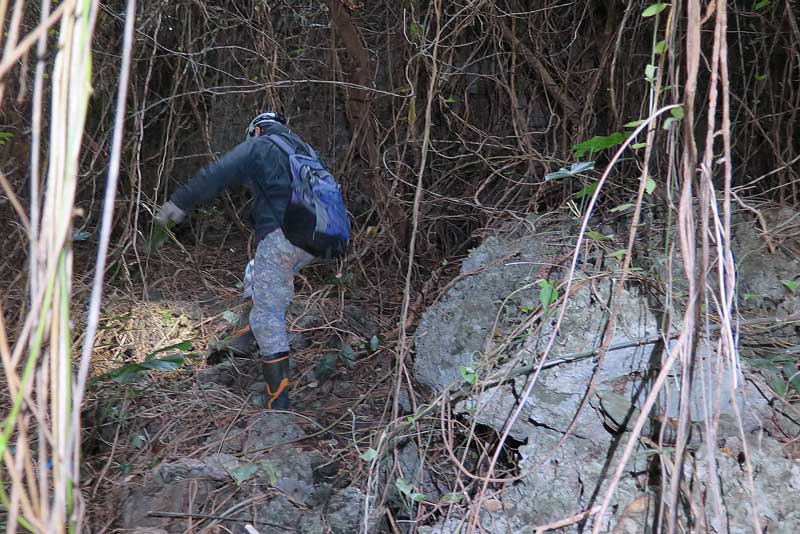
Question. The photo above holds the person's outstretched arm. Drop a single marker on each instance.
(228, 172)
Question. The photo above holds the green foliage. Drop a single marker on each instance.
(655, 9)
(650, 72)
(159, 233)
(374, 342)
(621, 207)
(762, 4)
(369, 455)
(131, 372)
(660, 47)
(650, 185)
(4, 136)
(469, 375)
(244, 472)
(791, 285)
(408, 491)
(548, 293)
(326, 366)
(348, 356)
(328, 363)
(575, 169)
(588, 190)
(597, 236)
(452, 498)
(231, 317)
(619, 255)
(599, 142)
(781, 372)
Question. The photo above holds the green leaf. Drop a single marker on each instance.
(548, 293)
(621, 207)
(762, 4)
(650, 185)
(348, 356)
(599, 142)
(660, 47)
(158, 235)
(588, 190)
(127, 374)
(244, 472)
(597, 236)
(655, 9)
(795, 382)
(231, 317)
(373, 343)
(634, 124)
(678, 112)
(791, 285)
(668, 122)
(576, 168)
(452, 498)
(170, 363)
(403, 487)
(6, 135)
(183, 345)
(369, 455)
(789, 369)
(778, 384)
(138, 441)
(619, 255)
(417, 496)
(469, 375)
(80, 235)
(761, 77)
(750, 296)
(412, 111)
(271, 472)
(637, 146)
(650, 72)
(326, 366)
(451, 100)
(406, 489)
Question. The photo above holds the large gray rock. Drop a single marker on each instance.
(562, 479)
(455, 331)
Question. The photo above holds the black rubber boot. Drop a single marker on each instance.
(275, 368)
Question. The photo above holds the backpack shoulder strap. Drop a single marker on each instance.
(283, 144)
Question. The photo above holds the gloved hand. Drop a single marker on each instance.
(168, 213)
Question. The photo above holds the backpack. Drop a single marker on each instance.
(316, 218)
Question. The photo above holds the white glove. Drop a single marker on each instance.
(168, 213)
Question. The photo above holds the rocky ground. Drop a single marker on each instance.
(232, 467)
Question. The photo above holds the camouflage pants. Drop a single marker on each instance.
(276, 263)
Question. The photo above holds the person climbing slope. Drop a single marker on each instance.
(298, 213)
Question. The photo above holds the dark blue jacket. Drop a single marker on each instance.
(257, 163)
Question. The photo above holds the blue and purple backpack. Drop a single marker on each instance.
(316, 218)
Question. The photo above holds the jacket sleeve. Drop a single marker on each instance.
(228, 172)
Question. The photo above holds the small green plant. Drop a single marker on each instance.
(408, 491)
(781, 372)
(159, 233)
(598, 143)
(5, 136)
(791, 285)
(369, 455)
(469, 375)
(548, 293)
(131, 372)
(655, 9)
(244, 472)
